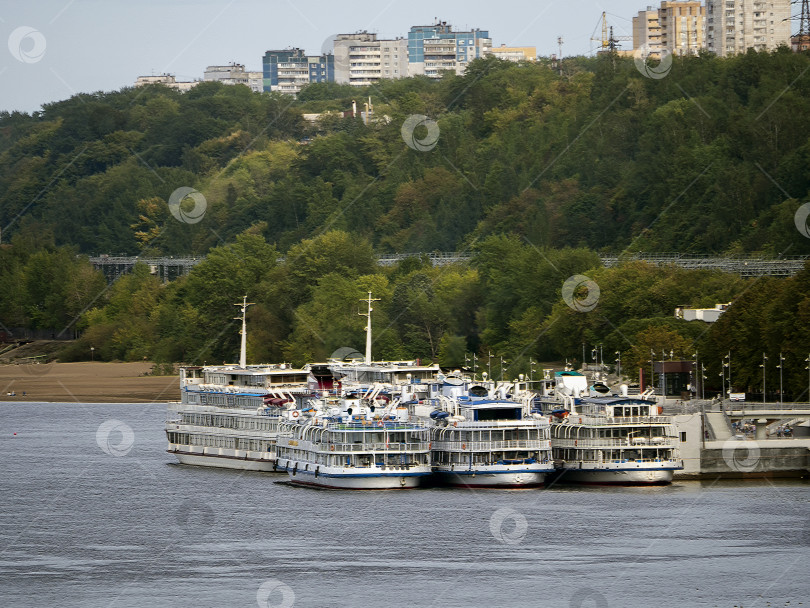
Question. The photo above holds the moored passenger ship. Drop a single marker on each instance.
(616, 439)
(228, 415)
(483, 439)
(354, 443)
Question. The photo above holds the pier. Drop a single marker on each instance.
(712, 448)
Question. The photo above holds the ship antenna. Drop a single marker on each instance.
(243, 349)
(369, 300)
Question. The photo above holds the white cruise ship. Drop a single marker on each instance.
(354, 443)
(484, 435)
(610, 439)
(228, 415)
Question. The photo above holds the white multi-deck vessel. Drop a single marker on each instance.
(484, 435)
(228, 415)
(610, 439)
(354, 442)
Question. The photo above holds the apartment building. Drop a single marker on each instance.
(515, 53)
(683, 26)
(289, 70)
(361, 59)
(234, 73)
(734, 26)
(168, 80)
(647, 29)
(433, 49)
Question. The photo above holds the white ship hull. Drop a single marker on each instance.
(350, 479)
(227, 459)
(492, 479)
(626, 477)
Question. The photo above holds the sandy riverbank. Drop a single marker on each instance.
(86, 382)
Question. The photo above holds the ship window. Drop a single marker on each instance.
(683, 436)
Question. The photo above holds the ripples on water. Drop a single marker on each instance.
(112, 522)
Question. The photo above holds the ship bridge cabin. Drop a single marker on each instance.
(487, 411)
(618, 407)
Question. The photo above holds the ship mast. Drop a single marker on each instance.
(369, 300)
(243, 349)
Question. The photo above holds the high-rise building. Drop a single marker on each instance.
(678, 26)
(234, 73)
(647, 30)
(515, 53)
(289, 70)
(682, 26)
(734, 26)
(433, 49)
(361, 59)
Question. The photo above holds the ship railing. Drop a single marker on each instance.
(490, 446)
(338, 448)
(617, 420)
(210, 431)
(377, 425)
(588, 463)
(615, 442)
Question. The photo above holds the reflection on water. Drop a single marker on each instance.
(85, 526)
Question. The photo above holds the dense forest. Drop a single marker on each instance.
(534, 172)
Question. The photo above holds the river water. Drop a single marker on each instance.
(96, 514)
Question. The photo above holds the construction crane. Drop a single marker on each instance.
(608, 42)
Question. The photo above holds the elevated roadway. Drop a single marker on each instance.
(169, 268)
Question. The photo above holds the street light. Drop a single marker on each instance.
(808, 377)
(723, 375)
(781, 358)
(764, 359)
(703, 379)
(695, 373)
(92, 349)
(619, 364)
(728, 356)
(532, 366)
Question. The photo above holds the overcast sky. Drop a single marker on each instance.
(55, 48)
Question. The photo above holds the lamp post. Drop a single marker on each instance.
(489, 364)
(532, 366)
(467, 360)
(92, 353)
(764, 359)
(781, 358)
(501, 368)
(808, 377)
(695, 373)
(728, 365)
(703, 382)
(619, 364)
(652, 369)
